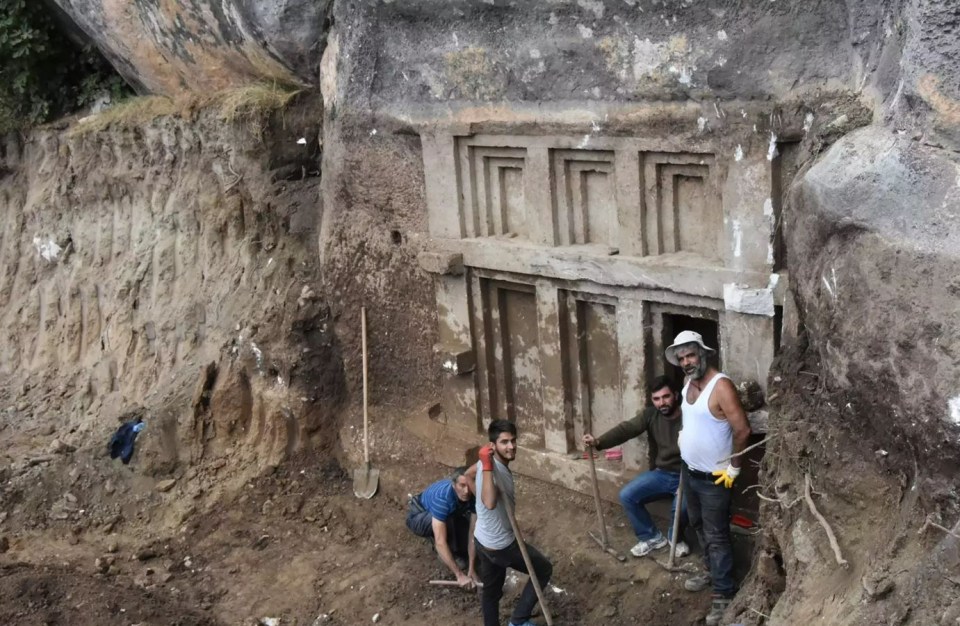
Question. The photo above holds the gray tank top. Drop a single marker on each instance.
(493, 529)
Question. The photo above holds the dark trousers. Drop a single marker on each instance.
(493, 573)
(708, 506)
(420, 523)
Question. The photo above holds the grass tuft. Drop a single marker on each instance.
(250, 106)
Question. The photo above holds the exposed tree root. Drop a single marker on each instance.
(823, 522)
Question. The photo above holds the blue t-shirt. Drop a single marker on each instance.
(441, 500)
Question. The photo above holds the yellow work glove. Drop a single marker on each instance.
(727, 476)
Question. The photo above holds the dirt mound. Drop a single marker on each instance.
(49, 594)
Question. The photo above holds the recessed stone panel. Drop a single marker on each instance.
(493, 188)
(683, 208)
(584, 196)
(510, 362)
(593, 375)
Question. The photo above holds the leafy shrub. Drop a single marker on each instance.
(43, 73)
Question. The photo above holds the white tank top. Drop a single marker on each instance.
(704, 439)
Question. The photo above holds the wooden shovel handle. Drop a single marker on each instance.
(526, 559)
(363, 343)
(596, 498)
(676, 523)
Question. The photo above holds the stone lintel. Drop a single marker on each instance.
(681, 272)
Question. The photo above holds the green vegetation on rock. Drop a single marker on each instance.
(43, 72)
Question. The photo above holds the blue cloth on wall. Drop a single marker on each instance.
(122, 443)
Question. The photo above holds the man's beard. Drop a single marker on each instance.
(666, 410)
(697, 372)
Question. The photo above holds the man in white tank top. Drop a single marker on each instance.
(714, 427)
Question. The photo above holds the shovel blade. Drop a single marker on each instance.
(366, 481)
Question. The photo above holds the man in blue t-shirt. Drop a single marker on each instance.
(446, 513)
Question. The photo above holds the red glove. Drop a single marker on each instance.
(486, 457)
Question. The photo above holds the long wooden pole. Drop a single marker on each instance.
(596, 499)
(526, 559)
(676, 523)
(453, 583)
(363, 342)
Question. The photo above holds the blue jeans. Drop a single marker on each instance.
(709, 508)
(649, 486)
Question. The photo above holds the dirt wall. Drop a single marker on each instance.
(170, 266)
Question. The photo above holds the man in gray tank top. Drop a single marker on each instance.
(714, 427)
(497, 546)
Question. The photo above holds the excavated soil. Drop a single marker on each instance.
(93, 542)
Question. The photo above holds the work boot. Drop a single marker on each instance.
(717, 608)
(697, 582)
(644, 548)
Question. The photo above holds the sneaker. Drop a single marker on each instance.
(717, 608)
(526, 623)
(697, 582)
(644, 548)
(682, 549)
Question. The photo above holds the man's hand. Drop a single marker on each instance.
(727, 476)
(589, 440)
(464, 581)
(474, 576)
(486, 457)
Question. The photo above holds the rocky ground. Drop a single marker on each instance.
(89, 541)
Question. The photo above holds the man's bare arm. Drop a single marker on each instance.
(471, 475)
(443, 551)
(489, 491)
(472, 550)
(737, 418)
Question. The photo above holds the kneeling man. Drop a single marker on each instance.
(446, 513)
(661, 422)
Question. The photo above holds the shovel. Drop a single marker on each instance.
(365, 480)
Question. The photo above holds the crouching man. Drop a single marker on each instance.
(661, 422)
(445, 512)
(496, 542)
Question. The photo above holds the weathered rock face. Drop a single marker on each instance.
(170, 47)
(930, 79)
(881, 292)
(605, 51)
(177, 271)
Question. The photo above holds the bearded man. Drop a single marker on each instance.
(661, 423)
(714, 428)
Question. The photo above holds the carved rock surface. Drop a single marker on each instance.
(168, 47)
